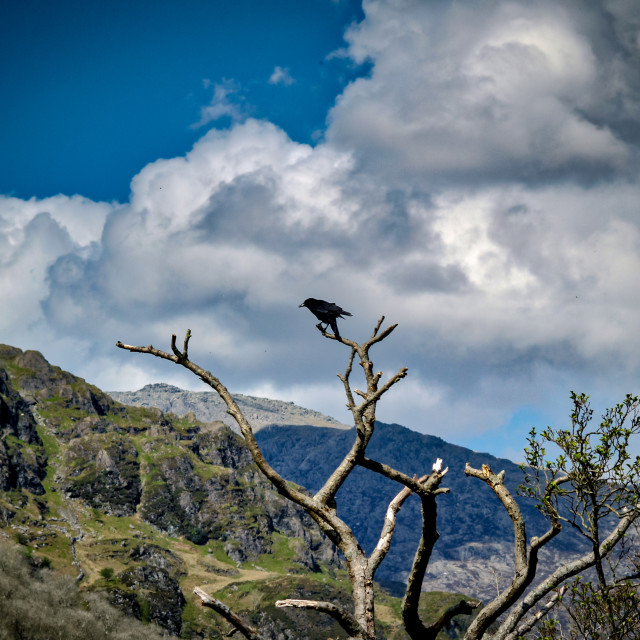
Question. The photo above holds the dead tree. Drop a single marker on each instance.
(359, 622)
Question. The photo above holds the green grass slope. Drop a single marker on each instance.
(141, 507)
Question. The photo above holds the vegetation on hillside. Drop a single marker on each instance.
(142, 507)
(37, 602)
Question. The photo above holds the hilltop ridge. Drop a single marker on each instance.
(208, 407)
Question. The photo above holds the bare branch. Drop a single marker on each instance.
(281, 485)
(377, 337)
(412, 483)
(377, 327)
(185, 348)
(428, 488)
(372, 398)
(340, 615)
(174, 348)
(632, 576)
(345, 381)
(414, 626)
(232, 618)
(388, 528)
(337, 478)
(528, 624)
(363, 414)
(464, 607)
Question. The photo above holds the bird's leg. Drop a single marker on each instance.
(321, 328)
(334, 328)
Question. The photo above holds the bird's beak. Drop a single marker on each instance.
(301, 305)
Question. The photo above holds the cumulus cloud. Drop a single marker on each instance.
(225, 103)
(477, 188)
(483, 91)
(34, 234)
(281, 76)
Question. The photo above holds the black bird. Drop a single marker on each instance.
(326, 312)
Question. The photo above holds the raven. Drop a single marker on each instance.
(326, 312)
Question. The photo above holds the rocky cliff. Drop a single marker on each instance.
(22, 457)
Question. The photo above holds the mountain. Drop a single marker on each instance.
(207, 406)
(141, 506)
(474, 553)
(161, 503)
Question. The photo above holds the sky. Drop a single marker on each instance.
(468, 169)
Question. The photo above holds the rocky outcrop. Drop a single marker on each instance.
(34, 375)
(163, 600)
(22, 458)
(16, 417)
(212, 490)
(103, 470)
(148, 588)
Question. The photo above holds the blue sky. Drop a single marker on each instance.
(468, 169)
(94, 91)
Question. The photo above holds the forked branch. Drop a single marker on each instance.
(363, 413)
(232, 618)
(526, 559)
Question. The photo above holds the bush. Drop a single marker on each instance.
(106, 573)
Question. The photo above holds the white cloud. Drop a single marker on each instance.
(281, 76)
(33, 235)
(491, 90)
(224, 103)
(83, 219)
(464, 191)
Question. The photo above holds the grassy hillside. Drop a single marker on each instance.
(142, 507)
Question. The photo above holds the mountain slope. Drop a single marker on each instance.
(144, 506)
(162, 504)
(62, 610)
(475, 548)
(474, 553)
